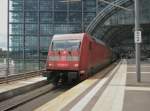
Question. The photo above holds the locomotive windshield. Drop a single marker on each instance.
(58, 45)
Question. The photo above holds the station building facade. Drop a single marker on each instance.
(32, 23)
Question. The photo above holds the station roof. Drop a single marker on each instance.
(119, 35)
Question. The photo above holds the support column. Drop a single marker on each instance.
(7, 72)
(23, 30)
(97, 7)
(137, 45)
(82, 24)
(38, 34)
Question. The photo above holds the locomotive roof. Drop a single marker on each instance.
(99, 41)
(75, 36)
(68, 36)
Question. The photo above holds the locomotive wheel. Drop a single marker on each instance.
(49, 77)
(83, 77)
(64, 78)
(55, 80)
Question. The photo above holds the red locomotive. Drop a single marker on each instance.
(75, 57)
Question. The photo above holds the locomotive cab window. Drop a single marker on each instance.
(58, 45)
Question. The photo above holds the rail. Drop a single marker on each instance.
(21, 76)
(28, 93)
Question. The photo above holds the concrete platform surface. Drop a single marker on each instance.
(20, 83)
(137, 95)
(117, 91)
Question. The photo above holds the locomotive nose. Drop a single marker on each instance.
(63, 60)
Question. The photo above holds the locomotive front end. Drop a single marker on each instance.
(64, 55)
(63, 61)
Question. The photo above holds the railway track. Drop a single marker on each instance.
(17, 102)
(31, 94)
(13, 102)
(21, 76)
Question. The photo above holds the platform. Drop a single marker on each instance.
(19, 83)
(117, 91)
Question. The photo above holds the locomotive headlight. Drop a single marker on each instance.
(50, 65)
(82, 72)
(64, 52)
(76, 65)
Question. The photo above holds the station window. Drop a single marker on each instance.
(89, 5)
(75, 5)
(16, 29)
(46, 29)
(15, 17)
(75, 17)
(88, 17)
(60, 5)
(46, 17)
(46, 5)
(31, 29)
(60, 17)
(31, 17)
(16, 5)
(31, 5)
